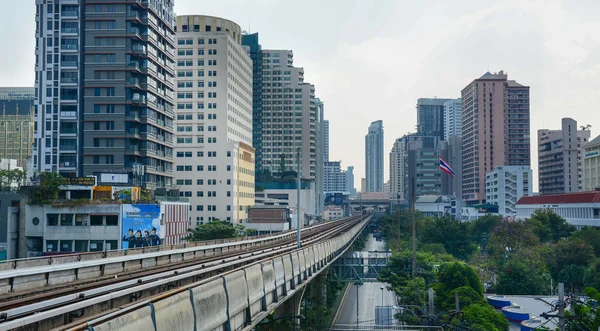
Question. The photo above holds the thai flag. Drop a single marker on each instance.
(445, 167)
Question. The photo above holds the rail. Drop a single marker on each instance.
(54, 271)
(293, 266)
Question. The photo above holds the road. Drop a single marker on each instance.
(369, 295)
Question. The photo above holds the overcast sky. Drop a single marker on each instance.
(372, 60)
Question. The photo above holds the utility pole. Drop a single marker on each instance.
(398, 211)
(357, 315)
(561, 306)
(414, 232)
(431, 304)
(298, 181)
(457, 302)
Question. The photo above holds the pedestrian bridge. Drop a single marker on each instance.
(360, 266)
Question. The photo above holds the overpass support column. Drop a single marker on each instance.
(291, 306)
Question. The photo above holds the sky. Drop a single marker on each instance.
(372, 60)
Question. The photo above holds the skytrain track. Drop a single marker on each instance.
(43, 309)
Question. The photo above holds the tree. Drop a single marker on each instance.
(483, 317)
(592, 275)
(481, 228)
(568, 260)
(590, 235)
(511, 238)
(414, 292)
(212, 230)
(517, 277)
(549, 226)
(48, 189)
(452, 276)
(453, 234)
(11, 178)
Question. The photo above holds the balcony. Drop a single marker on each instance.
(68, 80)
(69, 47)
(138, 99)
(70, 30)
(133, 82)
(137, 48)
(71, 64)
(70, 13)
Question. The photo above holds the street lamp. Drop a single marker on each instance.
(381, 296)
(358, 284)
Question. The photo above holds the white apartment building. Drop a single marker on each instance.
(325, 140)
(591, 165)
(334, 177)
(214, 158)
(506, 185)
(452, 118)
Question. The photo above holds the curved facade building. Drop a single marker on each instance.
(213, 147)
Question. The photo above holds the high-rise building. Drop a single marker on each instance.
(495, 130)
(452, 118)
(506, 185)
(16, 123)
(255, 52)
(374, 157)
(398, 169)
(591, 165)
(430, 120)
(363, 185)
(105, 88)
(335, 178)
(326, 140)
(320, 156)
(560, 158)
(214, 153)
(350, 181)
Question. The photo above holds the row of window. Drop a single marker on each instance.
(211, 73)
(190, 95)
(200, 140)
(189, 52)
(67, 246)
(200, 105)
(200, 128)
(190, 41)
(200, 154)
(81, 220)
(200, 168)
(190, 63)
(190, 84)
(200, 182)
(182, 117)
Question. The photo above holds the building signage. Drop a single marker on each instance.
(141, 226)
(590, 154)
(82, 181)
(114, 178)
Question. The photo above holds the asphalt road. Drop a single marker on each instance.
(369, 296)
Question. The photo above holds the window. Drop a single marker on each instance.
(201, 73)
(66, 220)
(111, 245)
(199, 193)
(212, 51)
(66, 245)
(201, 51)
(112, 220)
(200, 168)
(228, 153)
(201, 83)
(199, 181)
(96, 220)
(200, 41)
(81, 220)
(228, 168)
(96, 245)
(51, 245)
(52, 219)
(228, 207)
(81, 245)
(200, 154)
(199, 208)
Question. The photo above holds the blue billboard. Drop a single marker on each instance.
(336, 198)
(141, 226)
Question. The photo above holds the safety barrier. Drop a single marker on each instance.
(28, 274)
(236, 300)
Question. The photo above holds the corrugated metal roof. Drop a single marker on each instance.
(577, 197)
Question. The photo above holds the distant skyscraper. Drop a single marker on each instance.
(430, 119)
(350, 180)
(326, 140)
(363, 185)
(335, 178)
(255, 52)
(105, 88)
(319, 156)
(495, 130)
(452, 118)
(398, 169)
(214, 153)
(560, 158)
(16, 123)
(374, 157)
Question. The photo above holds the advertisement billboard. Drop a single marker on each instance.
(336, 198)
(141, 226)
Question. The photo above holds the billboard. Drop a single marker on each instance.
(141, 226)
(336, 198)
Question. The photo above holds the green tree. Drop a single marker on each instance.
(481, 228)
(11, 178)
(452, 276)
(568, 260)
(453, 234)
(212, 230)
(414, 293)
(590, 235)
(514, 238)
(519, 277)
(549, 226)
(483, 317)
(48, 189)
(592, 275)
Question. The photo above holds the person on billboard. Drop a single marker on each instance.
(147, 238)
(129, 239)
(154, 238)
(139, 241)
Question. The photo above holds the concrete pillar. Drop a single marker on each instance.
(291, 306)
